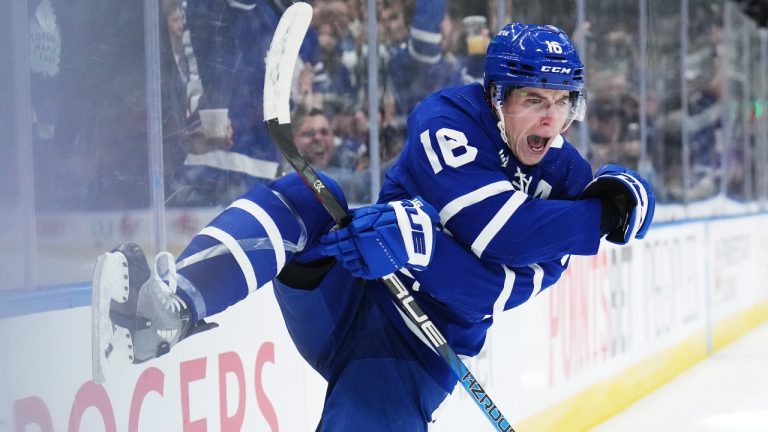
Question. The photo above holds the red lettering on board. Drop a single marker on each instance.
(189, 371)
(32, 410)
(266, 354)
(152, 379)
(89, 395)
(230, 364)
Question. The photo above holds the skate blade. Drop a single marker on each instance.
(111, 346)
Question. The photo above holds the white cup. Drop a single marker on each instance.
(214, 122)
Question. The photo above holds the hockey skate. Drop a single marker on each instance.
(136, 314)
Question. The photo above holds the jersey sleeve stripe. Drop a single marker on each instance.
(506, 292)
(474, 197)
(211, 252)
(237, 252)
(426, 36)
(269, 226)
(421, 57)
(497, 223)
(538, 277)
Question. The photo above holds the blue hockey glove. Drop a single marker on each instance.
(631, 195)
(384, 238)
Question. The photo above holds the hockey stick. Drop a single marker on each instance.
(281, 60)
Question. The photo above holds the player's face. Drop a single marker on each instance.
(533, 117)
(314, 139)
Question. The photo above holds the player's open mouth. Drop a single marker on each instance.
(537, 143)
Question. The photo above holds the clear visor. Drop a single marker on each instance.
(560, 107)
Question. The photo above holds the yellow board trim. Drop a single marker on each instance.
(607, 398)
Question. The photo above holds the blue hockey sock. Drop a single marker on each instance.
(248, 244)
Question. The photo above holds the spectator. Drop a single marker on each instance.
(413, 64)
(231, 39)
(472, 43)
(338, 157)
(182, 52)
(175, 75)
(316, 141)
(413, 49)
(338, 54)
(614, 130)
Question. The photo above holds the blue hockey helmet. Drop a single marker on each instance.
(522, 55)
(533, 56)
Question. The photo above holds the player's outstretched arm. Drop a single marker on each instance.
(457, 277)
(498, 215)
(628, 196)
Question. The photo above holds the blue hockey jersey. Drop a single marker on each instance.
(509, 228)
(502, 244)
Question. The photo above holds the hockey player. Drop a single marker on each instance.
(503, 200)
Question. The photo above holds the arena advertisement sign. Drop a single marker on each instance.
(244, 375)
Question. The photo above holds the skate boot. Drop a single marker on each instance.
(136, 314)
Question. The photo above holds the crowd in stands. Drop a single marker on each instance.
(212, 53)
(422, 45)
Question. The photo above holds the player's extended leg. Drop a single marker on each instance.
(139, 314)
(379, 379)
(376, 376)
(385, 394)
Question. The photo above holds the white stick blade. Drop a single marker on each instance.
(281, 60)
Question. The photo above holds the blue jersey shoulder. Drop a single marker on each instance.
(453, 146)
(465, 108)
(454, 135)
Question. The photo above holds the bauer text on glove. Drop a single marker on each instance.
(384, 238)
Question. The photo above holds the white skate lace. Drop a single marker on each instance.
(167, 281)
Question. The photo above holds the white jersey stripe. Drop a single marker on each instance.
(426, 36)
(269, 226)
(499, 219)
(474, 197)
(239, 5)
(538, 277)
(237, 252)
(421, 57)
(233, 161)
(204, 254)
(506, 293)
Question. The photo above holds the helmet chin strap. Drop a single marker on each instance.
(496, 106)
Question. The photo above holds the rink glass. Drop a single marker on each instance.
(108, 129)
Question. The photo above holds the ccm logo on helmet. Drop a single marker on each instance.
(556, 69)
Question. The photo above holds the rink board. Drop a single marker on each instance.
(614, 328)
